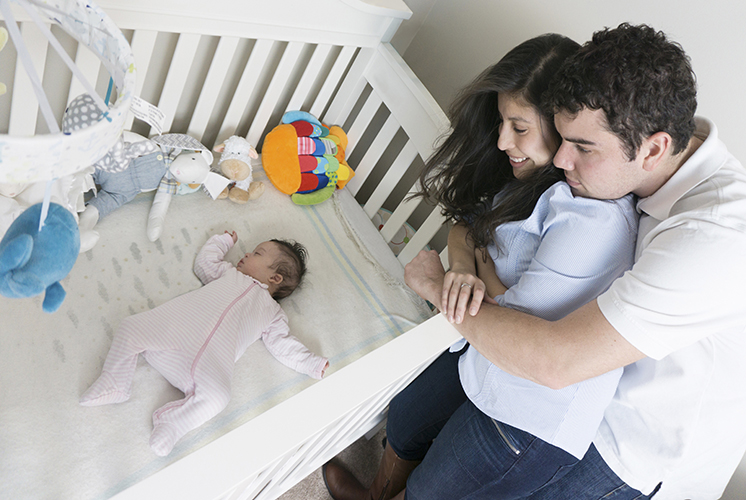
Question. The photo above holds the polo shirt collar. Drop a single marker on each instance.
(707, 160)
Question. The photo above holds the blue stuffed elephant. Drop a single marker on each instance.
(33, 261)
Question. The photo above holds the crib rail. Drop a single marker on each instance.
(302, 433)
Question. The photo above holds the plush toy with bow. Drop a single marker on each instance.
(135, 165)
(34, 261)
(235, 163)
(305, 159)
(181, 166)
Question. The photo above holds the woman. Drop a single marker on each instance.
(522, 237)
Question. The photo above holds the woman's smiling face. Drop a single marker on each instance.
(524, 135)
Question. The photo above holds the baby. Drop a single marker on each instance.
(195, 339)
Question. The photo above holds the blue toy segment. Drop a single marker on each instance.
(25, 284)
(16, 253)
(322, 165)
(294, 116)
(53, 298)
(320, 131)
(33, 260)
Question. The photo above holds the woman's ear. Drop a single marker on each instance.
(655, 149)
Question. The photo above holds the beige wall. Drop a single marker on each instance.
(458, 38)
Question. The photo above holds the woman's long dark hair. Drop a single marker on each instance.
(467, 170)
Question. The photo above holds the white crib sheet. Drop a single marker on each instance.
(52, 448)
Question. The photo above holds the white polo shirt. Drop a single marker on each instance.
(679, 416)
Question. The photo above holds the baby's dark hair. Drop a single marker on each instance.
(291, 266)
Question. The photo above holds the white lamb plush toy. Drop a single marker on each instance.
(235, 164)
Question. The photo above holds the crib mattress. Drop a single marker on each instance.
(353, 301)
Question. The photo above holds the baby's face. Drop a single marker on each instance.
(259, 263)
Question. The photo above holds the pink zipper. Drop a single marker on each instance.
(217, 325)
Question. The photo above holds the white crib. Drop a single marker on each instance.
(233, 67)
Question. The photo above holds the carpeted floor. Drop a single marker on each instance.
(362, 457)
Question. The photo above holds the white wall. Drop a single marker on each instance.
(456, 39)
(459, 38)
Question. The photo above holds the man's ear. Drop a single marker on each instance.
(276, 279)
(655, 148)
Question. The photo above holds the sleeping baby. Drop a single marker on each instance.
(195, 339)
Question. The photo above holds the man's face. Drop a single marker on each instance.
(592, 157)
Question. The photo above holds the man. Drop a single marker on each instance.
(624, 106)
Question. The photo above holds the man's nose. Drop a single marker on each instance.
(562, 158)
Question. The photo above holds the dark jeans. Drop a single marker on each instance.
(476, 457)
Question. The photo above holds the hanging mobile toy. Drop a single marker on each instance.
(41, 245)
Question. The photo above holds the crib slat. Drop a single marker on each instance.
(143, 42)
(351, 89)
(181, 63)
(24, 107)
(332, 81)
(393, 176)
(444, 258)
(422, 237)
(275, 90)
(310, 75)
(363, 119)
(89, 65)
(400, 215)
(376, 149)
(245, 89)
(419, 114)
(211, 89)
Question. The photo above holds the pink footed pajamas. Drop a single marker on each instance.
(194, 341)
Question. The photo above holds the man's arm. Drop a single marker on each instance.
(551, 353)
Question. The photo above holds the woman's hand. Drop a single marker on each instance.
(462, 290)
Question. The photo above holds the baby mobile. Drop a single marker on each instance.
(40, 247)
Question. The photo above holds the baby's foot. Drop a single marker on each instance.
(103, 392)
(163, 439)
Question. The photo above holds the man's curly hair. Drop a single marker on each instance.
(642, 81)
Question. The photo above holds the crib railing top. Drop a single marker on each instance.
(346, 22)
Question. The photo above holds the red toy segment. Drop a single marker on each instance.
(308, 163)
(312, 182)
(303, 129)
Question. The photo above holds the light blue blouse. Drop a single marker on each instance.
(564, 255)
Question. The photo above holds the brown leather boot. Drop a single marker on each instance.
(392, 475)
(391, 479)
(341, 484)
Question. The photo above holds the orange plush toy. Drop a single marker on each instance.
(306, 159)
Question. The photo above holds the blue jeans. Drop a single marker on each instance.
(475, 457)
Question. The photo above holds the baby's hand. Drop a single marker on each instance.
(234, 235)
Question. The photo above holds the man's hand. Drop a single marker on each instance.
(425, 274)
